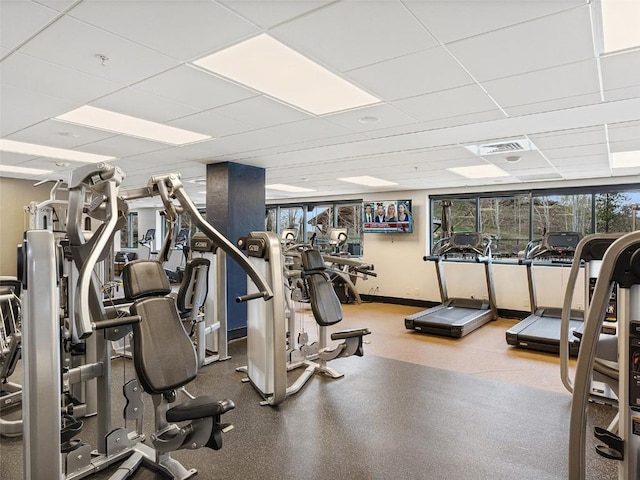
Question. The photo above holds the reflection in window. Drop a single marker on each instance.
(350, 217)
(270, 223)
(319, 222)
(506, 219)
(291, 217)
(561, 213)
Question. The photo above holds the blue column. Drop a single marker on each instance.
(235, 207)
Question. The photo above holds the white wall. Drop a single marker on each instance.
(403, 274)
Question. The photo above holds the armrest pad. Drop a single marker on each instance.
(350, 333)
(199, 407)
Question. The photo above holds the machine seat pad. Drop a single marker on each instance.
(312, 261)
(199, 407)
(163, 354)
(324, 301)
(144, 278)
(350, 333)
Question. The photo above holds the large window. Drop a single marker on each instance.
(507, 220)
(562, 213)
(314, 222)
(129, 233)
(513, 219)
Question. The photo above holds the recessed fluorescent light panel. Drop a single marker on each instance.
(479, 171)
(368, 181)
(51, 152)
(288, 188)
(625, 159)
(127, 125)
(268, 66)
(620, 20)
(24, 170)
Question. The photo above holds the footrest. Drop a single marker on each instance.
(199, 407)
(350, 333)
(614, 445)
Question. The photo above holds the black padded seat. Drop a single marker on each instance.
(324, 301)
(159, 368)
(144, 278)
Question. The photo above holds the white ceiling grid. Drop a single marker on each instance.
(448, 74)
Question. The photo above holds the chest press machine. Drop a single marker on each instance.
(163, 355)
(271, 348)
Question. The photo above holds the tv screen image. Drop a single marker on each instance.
(387, 216)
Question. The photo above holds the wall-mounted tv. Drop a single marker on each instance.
(387, 216)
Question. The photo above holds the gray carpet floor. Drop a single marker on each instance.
(385, 419)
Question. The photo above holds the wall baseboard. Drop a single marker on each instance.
(409, 302)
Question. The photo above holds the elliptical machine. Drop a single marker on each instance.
(621, 267)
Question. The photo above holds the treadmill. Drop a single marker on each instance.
(541, 329)
(457, 317)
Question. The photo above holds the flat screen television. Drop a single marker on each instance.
(387, 216)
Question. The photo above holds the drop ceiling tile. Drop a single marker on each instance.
(618, 79)
(449, 21)
(625, 145)
(59, 134)
(138, 103)
(60, 5)
(210, 123)
(622, 93)
(308, 130)
(22, 71)
(411, 75)
(75, 45)
(542, 43)
(20, 108)
(375, 117)
(581, 162)
(170, 159)
(19, 20)
(192, 86)
(9, 158)
(528, 161)
(575, 151)
(465, 119)
(620, 132)
(121, 146)
(544, 85)
(182, 30)
(590, 136)
(339, 37)
(260, 112)
(448, 103)
(267, 14)
(565, 103)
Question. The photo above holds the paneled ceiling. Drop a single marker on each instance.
(449, 74)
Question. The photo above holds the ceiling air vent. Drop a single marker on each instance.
(507, 146)
(504, 147)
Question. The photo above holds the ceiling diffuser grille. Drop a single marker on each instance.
(501, 148)
(507, 146)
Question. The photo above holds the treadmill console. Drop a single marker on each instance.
(559, 245)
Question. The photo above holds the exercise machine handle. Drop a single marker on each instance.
(116, 322)
(250, 296)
